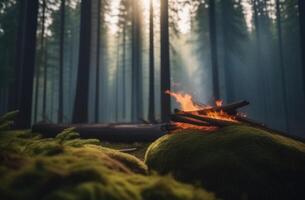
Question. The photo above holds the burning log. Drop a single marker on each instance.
(198, 114)
(209, 120)
(188, 120)
(229, 108)
(215, 116)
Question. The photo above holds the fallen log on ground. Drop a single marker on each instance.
(106, 132)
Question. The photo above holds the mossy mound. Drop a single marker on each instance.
(67, 167)
(69, 143)
(235, 162)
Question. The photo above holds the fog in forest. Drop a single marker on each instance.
(231, 50)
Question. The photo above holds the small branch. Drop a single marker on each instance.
(128, 150)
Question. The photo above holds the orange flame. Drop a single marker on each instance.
(187, 104)
(218, 103)
(221, 116)
(191, 126)
(185, 101)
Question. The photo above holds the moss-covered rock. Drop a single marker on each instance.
(235, 162)
(67, 167)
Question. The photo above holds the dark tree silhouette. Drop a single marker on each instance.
(213, 43)
(281, 61)
(40, 63)
(14, 92)
(61, 62)
(97, 81)
(165, 62)
(117, 86)
(260, 79)
(234, 32)
(45, 79)
(27, 62)
(124, 87)
(302, 28)
(151, 98)
(80, 112)
(136, 63)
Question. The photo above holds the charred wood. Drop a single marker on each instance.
(188, 120)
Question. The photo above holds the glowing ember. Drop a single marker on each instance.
(191, 126)
(221, 116)
(218, 103)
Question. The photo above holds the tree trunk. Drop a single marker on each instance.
(165, 62)
(227, 6)
(27, 62)
(151, 98)
(136, 102)
(124, 73)
(45, 79)
(260, 78)
(213, 43)
(80, 112)
(40, 63)
(52, 92)
(14, 92)
(43, 60)
(116, 95)
(302, 34)
(37, 80)
(61, 62)
(97, 83)
(282, 67)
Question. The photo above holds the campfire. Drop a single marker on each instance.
(192, 115)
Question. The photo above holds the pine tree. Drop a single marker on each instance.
(27, 63)
(151, 98)
(80, 112)
(165, 62)
(213, 43)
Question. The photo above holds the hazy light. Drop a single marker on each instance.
(112, 17)
(184, 23)
(248, 12)
(182, 16)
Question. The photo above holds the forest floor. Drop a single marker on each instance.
(137, 149)
(235, 162)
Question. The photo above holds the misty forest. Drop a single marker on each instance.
(103, 99)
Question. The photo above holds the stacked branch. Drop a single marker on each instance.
(230, 109)
(201, 117)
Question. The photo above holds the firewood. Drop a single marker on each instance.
(188, 120)
(229, 108)
(209, 120)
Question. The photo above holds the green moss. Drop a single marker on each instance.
(67, 134)
(67, 167)
(139, 147)
(7, 120)
(235, 162)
